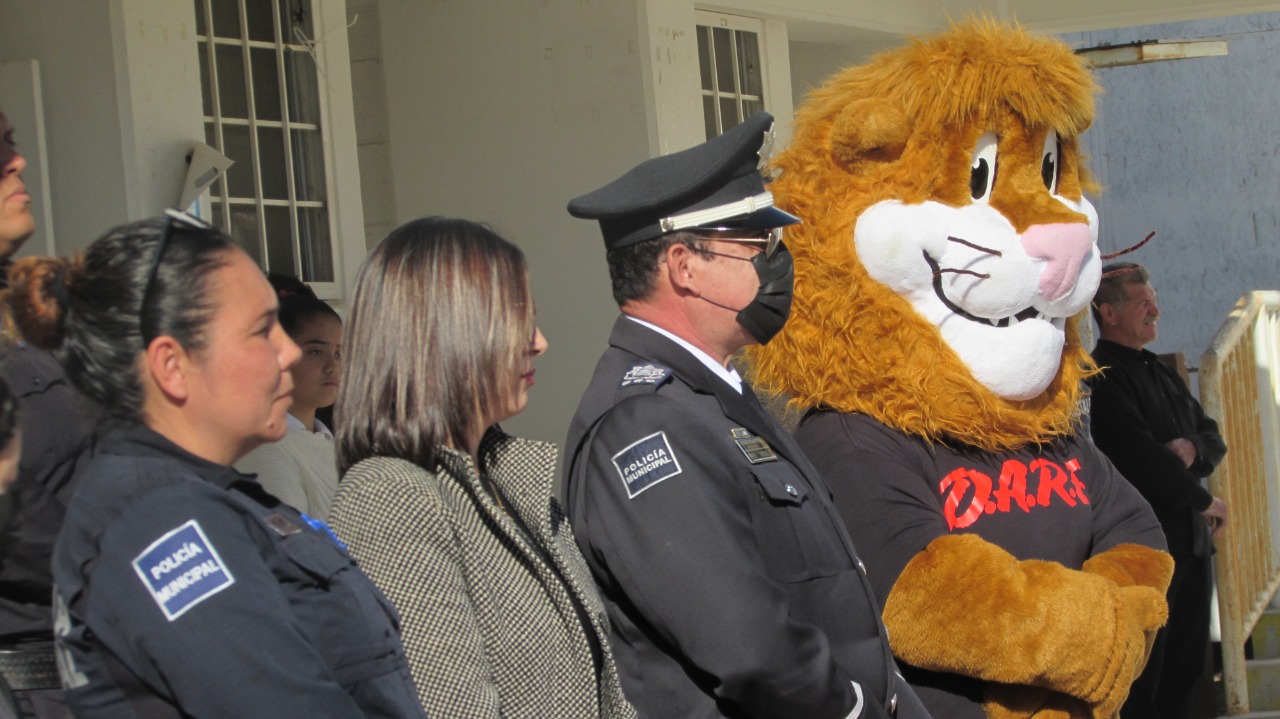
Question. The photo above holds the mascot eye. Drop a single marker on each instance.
(1049, 165)
(982, 172)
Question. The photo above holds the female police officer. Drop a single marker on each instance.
(182, 588)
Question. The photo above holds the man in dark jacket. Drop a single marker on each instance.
(732, 586)
(1144, 418)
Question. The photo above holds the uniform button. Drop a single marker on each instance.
(791, 490)
(893, 705)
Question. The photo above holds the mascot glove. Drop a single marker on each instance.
(966, 606)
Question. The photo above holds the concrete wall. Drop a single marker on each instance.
(82, 122)
(1189, 149)
(373, 136)
(812, 62)
(503, 117)
(121, 93)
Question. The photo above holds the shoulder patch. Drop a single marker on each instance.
(644, 374)
(645, 463)
(182, 569)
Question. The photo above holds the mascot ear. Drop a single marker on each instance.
(868, 130)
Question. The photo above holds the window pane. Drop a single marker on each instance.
(266, 83)
(729, 114)
(304, 92)
(724, 59)
(709, 115)
(226, 18)
(317, 250)
(751, 107)
(216, 208)
(308, 165)
(275, 183)
(211, 139)
(244, 230)
(199, 17)
(231, 93)
(235, 140)
(749, 64)
(704, 56)
(257, 15)
(296, 14)
(207, 95)
(279, 240)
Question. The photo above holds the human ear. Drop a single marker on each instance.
(1108, 313)
(680, 269)
(168, 363)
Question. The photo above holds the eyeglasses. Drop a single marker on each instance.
(173, 218)
(771, 238)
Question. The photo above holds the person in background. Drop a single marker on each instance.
(182, 588)
(301, 469)
(59, 423)
(453, 518)
(1143, 417)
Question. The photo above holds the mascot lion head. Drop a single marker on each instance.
(947, 243)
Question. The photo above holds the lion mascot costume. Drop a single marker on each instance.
(946, 246)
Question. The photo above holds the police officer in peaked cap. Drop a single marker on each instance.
(731, 584)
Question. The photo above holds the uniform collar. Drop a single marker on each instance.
(741, 407)
(138, 440)
(728, 374)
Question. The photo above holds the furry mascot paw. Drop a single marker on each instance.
(946, 252)
(1034, 614)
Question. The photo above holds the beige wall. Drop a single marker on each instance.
(503, 117)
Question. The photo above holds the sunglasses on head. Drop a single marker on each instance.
(173, 218)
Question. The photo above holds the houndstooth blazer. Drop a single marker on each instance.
(487, 604)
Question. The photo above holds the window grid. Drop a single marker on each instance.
(289, 129)
(741, 100)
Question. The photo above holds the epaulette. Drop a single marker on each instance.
(642, 379)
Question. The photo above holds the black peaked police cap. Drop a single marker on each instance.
(715, 184)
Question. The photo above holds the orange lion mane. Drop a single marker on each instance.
(902, 127)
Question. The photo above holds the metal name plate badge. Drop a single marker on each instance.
(755, 448)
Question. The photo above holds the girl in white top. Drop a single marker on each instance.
(301, 468)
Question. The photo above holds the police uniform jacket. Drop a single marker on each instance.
(732, 586)
(184, 589)
(57, 424)
(501, 618)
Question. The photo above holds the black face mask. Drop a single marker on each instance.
(768, 312)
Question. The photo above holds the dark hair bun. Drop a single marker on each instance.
(289, 287)
(38, 297)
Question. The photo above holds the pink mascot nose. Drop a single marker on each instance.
(1065, 246)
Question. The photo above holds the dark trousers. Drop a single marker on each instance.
(1177, 663)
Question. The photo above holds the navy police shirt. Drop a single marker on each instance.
(184, 589)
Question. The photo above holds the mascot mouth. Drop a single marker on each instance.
(1028, 313)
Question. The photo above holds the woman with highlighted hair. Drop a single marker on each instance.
(450, 516)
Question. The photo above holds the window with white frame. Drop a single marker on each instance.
(262, 109)
(732, 75)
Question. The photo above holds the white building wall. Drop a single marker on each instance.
(72, 42)
(503, 117)
(1189, 149)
